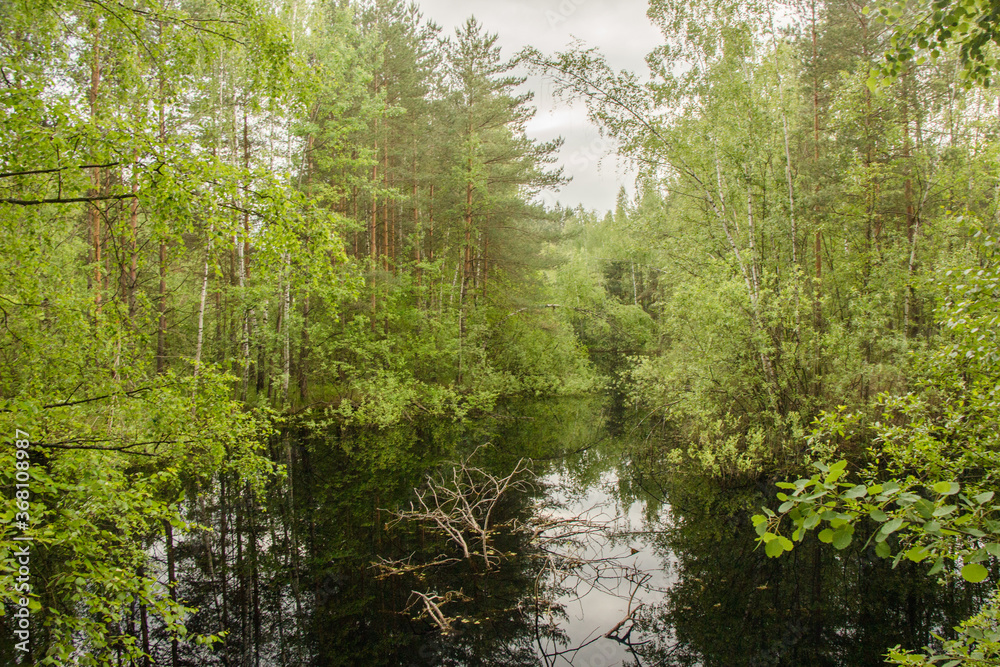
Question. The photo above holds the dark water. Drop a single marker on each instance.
(588, 559)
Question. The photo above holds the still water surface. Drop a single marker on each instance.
(590, 560)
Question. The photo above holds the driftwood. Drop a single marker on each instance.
(431, 604)
(460, 504)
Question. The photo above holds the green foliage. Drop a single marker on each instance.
(931, 27)
(934, 447)
(978, 643)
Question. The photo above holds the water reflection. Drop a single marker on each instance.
(671, 577)
(730, 605)
(585, 565)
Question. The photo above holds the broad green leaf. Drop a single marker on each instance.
(925, 508)
(977, 556)
(856, 492)
(826, 536)
(836, 471)
(892, 526)
(774, 549)
(946, 488)
(945, 510)
(984, 497)
(974, 573)
(841, 539)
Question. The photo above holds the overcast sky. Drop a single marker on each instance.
(622, 32)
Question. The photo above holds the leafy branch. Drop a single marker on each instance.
(935, 522)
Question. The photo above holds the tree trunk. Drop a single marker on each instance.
(245, 317)
(386, 249)
(254, 579)
(818, 289)
(304, 352)
(372, 228)
(95, 175)
(486, 257)
(144, 624)
(224, 560)
(201, 312)
(133, 269)
(172, 585)
(161, 330)
(286, 357)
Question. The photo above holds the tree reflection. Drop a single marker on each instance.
(294, 575)
(731, 605)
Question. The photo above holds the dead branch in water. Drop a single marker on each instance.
(432, 607)
(460, 504)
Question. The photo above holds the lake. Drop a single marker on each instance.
(540, 535)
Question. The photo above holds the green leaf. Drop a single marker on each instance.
(977, 556)
(878, 515)
(856, 492)
(836, 471)
(811, 521)
(984, 497)
(945, 510)
(974, 573)
(774, 549)
(841, 539)
(925, 508)
(882, 550)
(892, 526)
(917, 554)
(946, 488)
(826, 536)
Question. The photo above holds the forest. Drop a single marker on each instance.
(249, 243)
